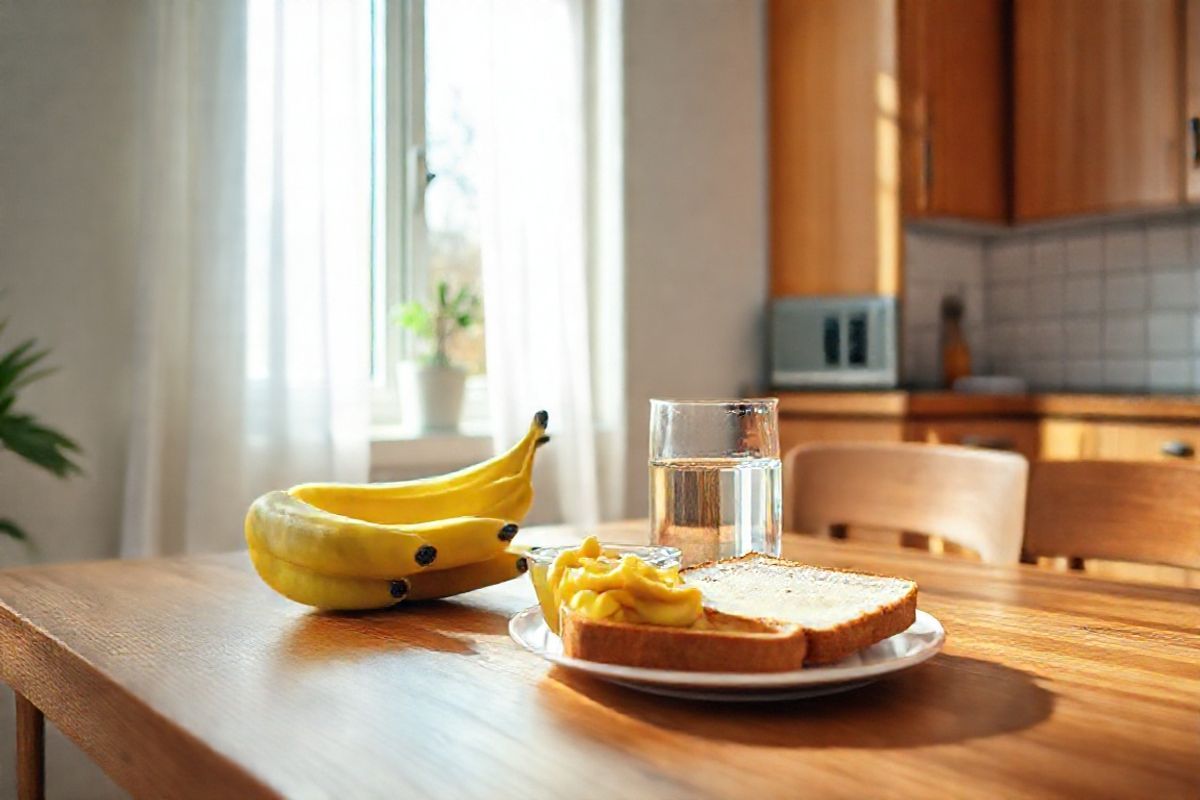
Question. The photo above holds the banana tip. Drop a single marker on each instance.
(398, 589)
(522, 565)
(542, 418)
(508, 532)
(426, 553)
(541, 441)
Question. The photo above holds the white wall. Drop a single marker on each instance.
(67, 93)
(695, 208)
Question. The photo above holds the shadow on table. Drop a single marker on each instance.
(949, 699)
(443, 625)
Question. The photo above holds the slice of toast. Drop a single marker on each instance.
(840, 611)
(725, 643)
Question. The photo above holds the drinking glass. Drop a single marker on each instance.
(715, 477)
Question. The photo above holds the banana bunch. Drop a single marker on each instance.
(361, 546)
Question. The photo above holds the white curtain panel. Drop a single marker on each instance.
(533, 248)
(252, 348)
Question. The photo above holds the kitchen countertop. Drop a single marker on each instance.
(908, 404)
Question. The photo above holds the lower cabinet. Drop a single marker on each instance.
(1141, 441)
(1016, 435)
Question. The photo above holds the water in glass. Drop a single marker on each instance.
(713, 508)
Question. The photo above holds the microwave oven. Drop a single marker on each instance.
(834, 342)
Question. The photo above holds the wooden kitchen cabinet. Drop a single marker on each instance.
(1098, 124)
(1015, 435)
(1191, 53)
(799, 430)
(954, 97)
(1141, 441)
(834, 147)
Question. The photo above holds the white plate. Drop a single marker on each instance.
(920, 642)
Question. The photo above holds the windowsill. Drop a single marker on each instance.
(398, 448)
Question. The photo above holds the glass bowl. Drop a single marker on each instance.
(542, 558)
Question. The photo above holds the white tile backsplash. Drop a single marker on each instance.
(1049, 255)
(1126, 375)
(1170, 374)
(1046, 298)
(1084, 374)
(1082, 338)
(1082, 295)
(1085, 252)
(1125, 336)
(1126, 292)
(1107, 306)
(1169, 333)
(1124, 247)
(1172, 290)
(1167, 244)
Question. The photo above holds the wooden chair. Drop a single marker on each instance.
(1145, 512)
(974, 498)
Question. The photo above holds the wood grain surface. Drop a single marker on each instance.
(31, 750)
(1097, 98)
(894, 404)
(1117, 510)
(190, 678)
(834, 146)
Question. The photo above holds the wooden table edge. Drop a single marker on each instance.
(142, 751)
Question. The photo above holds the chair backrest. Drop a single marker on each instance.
(974, 498)
(1146, 512)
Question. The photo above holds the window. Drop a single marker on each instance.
(428, 82)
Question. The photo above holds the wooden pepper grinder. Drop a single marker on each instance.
(956, 356)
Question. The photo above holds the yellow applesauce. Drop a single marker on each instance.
(601, 585)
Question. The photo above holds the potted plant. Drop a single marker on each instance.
(432, 386)
(21, 433)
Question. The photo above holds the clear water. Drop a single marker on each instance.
(712, 508)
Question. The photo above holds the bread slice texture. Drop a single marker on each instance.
(726, 643)
(840, 611)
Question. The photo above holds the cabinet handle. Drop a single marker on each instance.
(1177, 449)
(1194, 124)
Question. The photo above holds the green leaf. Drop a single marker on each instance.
(415, 317)
(11, 529)
(38, 444)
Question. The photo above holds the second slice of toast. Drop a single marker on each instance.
(840, 611)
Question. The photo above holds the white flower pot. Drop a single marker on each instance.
(431, 396)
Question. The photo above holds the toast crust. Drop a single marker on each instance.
(830, 645)
(732, 644)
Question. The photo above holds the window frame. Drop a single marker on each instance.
(398, 215)
(399, 234)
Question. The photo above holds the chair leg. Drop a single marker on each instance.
(31, 751)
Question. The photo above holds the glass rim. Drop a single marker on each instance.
(711, 402)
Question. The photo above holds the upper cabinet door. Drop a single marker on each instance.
(1098, 122)
(834, 147)
(954, 94)
(1191, 157)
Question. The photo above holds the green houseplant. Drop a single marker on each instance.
(20, 432)
(432, 387)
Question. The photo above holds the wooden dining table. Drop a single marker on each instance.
(187, 677)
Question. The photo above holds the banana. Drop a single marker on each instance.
(432, 585)
(336, 593)
(305, 536)
(325, 591)
(507, 498)
(507, 464)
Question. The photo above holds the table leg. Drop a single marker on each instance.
(31, 751)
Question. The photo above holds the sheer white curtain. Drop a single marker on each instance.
(252, 347)
(534, 246)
